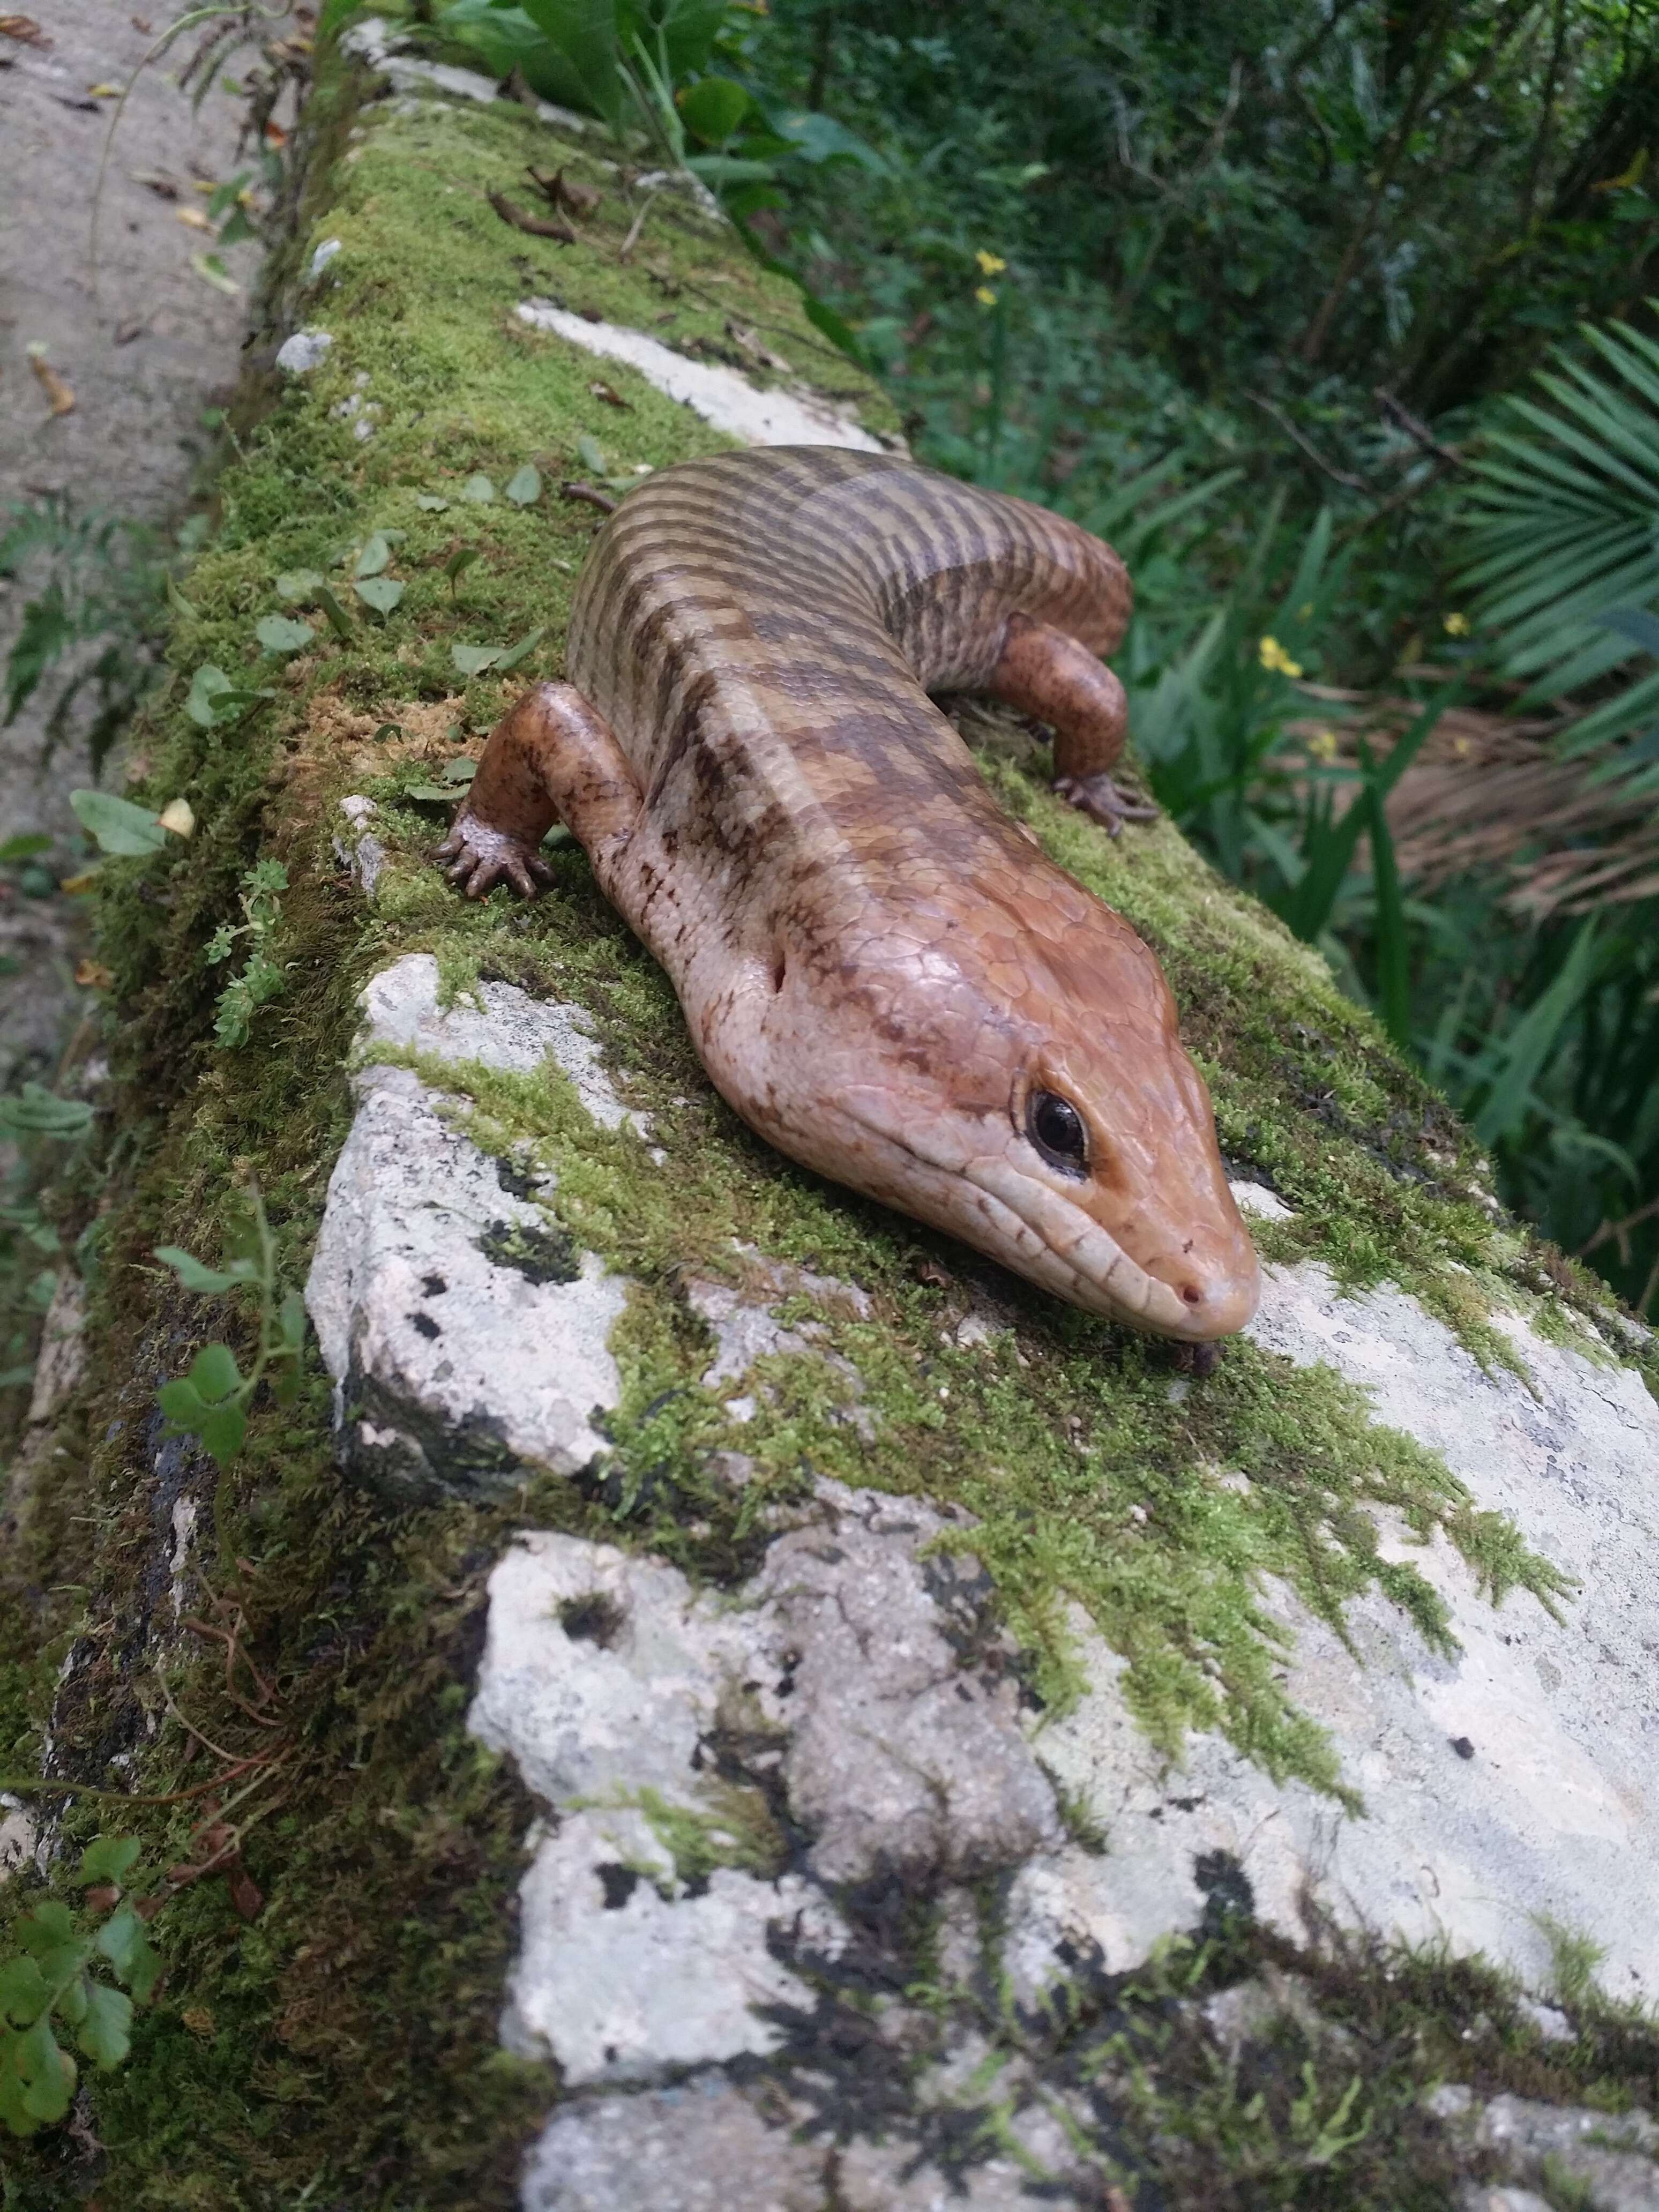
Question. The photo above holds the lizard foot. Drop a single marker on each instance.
(1099, 797)
(479, 857)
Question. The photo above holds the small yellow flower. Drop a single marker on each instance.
(986, 296)
(1274, 656)
(1322, 745)
(990, 265)
(1457, 625)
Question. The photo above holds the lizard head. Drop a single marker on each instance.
(1004, 1063)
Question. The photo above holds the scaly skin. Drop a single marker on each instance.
(882, 974)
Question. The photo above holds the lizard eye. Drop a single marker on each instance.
(1055, 1127)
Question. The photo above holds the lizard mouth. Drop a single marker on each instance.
(1060, 1247)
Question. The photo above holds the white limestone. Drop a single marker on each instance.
(724, 396)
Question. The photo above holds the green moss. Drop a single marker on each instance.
(340, 2048)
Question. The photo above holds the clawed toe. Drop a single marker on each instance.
(1099, 797)
(479, 857)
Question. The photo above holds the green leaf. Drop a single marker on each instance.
(380, 592)
(473, 660)
(34, 1112)
(118, 825)
(181, 1402)
(432, 794)
(195, 1275)
(712, 110)
(593, 454)
(281, 634)
(123, 1941)
(431, 501)
(479, 488)
(206, 687)
(462, 557)
(50, 1924)
(23, 1991)
(340, 620)
(24, 848)
(299, 586)
(108, 1858)
(291, 1319)
(214, 1372)
(177, 600)
(524, 486)
(374, 556)
(47, 2074)
(521, 651)
(72, 2005)
(222, 1431)
(105, 2033)
(460, 771)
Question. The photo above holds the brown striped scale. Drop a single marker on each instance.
(883, 974)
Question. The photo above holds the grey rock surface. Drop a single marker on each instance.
(905, 1752)
(1555, 1811)
(1611, 2158)
(468, 1339)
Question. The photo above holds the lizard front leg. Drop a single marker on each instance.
(549, 758)
(1044, 672)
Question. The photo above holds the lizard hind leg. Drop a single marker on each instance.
(1044, 672)
(549, 758)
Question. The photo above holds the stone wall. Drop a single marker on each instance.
(720, 1695)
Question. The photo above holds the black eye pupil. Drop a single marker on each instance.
(1056, 1126)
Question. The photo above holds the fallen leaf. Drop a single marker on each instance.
(158, 181)
(74, 885)
(609, 394)
(246, 1894)
(194, 217)
(103, 92)
(57, 391)
(591, 496)
(524, 486)
(275, 135)
(24, 29)
(92, 976)
(538, 226)
(179, 815)
(579, 199)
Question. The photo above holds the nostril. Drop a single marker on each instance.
(1192, 1294)
(779, 967)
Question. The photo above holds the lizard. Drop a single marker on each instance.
(882, 972)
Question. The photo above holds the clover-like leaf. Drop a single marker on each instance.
(123, 1941)
(524, 486)
(45, 2073)
(433, 501)
(207, 687)
(478, 489)
(214, 1372)
(23, 1991)
(117, 824)
(282, 634)
(107, 1858)
(105, 2033)
(380, 592)
(374, 556)
(473, 660)
(222, 1430)
(299, 585)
